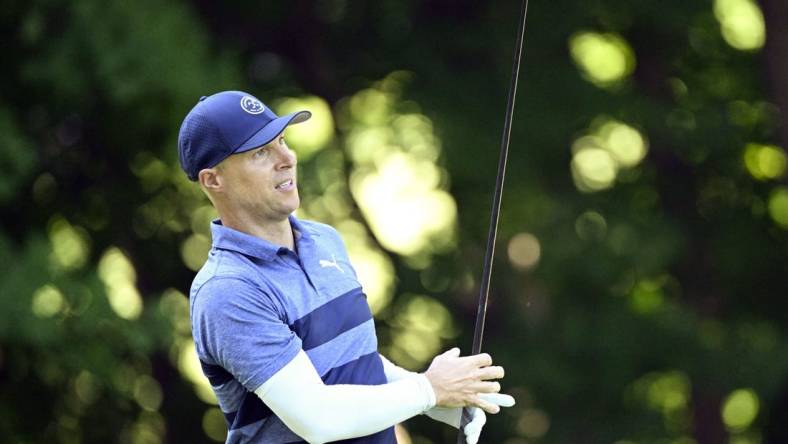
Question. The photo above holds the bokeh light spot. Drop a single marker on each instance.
(151, 170)
(201, 219)
(189, 366)
(415, 133)
(175, 306)
(123, 378)
(214, 425)
(524, 250)
(148, 429)
(669, 391)
(119, 278)
(764, 161)
(371, 106)
(47, 301)
(625, 144)
(741, 23)
(599, 156)
(309, 137)
(419, 327)
(591, 226)
(740, 409)
(778, 206)
(647, 296)
(604, 58)
(365, 145)
(70, 244)
(593, 169)
(86, 387)
(374, 269)
(404, 209)
(533, 423)
(665, 392)
(194, 250)
(147, 393)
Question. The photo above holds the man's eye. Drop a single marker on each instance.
(261, 152)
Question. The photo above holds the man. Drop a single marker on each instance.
(280, 323)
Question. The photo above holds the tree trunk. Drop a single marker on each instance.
(775, 13)
(707, 419)
(776, 58)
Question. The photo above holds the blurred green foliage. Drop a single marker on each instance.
(639, 285)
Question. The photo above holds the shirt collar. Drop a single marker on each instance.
(226, 238)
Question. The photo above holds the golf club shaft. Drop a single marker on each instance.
(496, 207)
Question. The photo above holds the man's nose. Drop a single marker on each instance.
(286, 157)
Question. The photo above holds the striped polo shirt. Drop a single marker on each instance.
(254, 305)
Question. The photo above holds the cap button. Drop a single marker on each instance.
(203, 98)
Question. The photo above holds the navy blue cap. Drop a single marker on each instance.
(226, 123)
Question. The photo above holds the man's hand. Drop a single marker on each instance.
(461, 381)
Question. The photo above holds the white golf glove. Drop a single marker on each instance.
(473, 429)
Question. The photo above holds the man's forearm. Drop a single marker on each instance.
(322, 413)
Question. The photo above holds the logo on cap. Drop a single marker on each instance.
(252, 105)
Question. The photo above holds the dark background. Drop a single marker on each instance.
(639, 291)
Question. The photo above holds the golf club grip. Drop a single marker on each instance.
(465, 418)
(484, 288)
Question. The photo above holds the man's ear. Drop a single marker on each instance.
(210, 179)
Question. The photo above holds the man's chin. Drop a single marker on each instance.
(293, 205)
(297, 203)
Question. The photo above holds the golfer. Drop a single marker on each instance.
(280, 322)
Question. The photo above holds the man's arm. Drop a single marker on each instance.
(394, 373)
(446, 415)
(451, 415)
(321, 413)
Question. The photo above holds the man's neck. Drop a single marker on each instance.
(276, 232)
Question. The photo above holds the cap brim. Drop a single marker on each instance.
(273, 129)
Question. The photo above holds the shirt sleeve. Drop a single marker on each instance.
(241, 328)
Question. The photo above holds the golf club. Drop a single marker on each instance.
(496, 207)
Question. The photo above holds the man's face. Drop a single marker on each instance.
(262, 182)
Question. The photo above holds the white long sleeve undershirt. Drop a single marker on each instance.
(446, 415)
(394, 372)
(321, 413)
